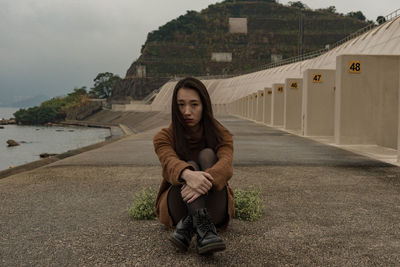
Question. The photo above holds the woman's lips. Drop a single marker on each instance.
(188, 120)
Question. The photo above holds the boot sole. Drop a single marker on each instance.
(177, 243)
(211, 248)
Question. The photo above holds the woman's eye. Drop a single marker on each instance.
(195, 105)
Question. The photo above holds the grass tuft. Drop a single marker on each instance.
(143, 204)
(248, 204)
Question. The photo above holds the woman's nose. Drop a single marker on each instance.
(187, 110)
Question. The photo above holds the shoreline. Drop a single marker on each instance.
(116, 133)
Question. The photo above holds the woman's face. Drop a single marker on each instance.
(189, 104)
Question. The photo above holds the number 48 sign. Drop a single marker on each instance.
(355, 67)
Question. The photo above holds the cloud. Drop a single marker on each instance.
(51, 46)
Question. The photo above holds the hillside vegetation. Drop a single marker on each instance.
(184, 45)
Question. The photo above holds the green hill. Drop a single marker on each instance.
(184, 46)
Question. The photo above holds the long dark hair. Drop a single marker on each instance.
(212, 133)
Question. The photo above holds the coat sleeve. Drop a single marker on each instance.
(172, 166)
(222, 170)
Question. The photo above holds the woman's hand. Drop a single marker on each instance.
(189, 194)
(198, 180)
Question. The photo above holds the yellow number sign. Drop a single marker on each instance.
(269, 92)
(262, 94)
(316, 78)
(280, 89)
(355, 67)
(293, 85)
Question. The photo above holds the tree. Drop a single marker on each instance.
(357, 15)
(76, 94)
(380, 20)
(103, 85)
(330, 9)
(297, 4)
(51, 110)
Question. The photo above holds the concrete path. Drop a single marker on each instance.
(322, 206)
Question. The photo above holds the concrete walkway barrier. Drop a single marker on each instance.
(248, 108)
(277, 104)
(366, 100)
(260, 105)
(239, 106)
(253, 106)
(293, 97)
(267, 109)
(318, 102)
(244, 107)
(220, 109)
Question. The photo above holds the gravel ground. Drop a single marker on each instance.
(322, 206)
(312, 216)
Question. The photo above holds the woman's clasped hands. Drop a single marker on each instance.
(197, 183)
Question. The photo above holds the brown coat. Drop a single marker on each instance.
(172, 168)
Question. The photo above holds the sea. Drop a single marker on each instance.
(35, 140)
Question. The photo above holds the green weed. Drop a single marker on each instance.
(248, 204)
(143, 204)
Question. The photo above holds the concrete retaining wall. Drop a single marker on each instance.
(366, 102)
(293, 92)
(318, 102)
(277, 104)
(254, 106)
(132, 107)
(267, 110)
(260, 105)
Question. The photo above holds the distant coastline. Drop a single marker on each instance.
(25, 103)
(35, 140)
(7, 112)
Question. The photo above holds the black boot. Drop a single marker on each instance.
(183, 233)
(207, 239)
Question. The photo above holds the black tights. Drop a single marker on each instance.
(215, 201)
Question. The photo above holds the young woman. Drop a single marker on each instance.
(196, 154)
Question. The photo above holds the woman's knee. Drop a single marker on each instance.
(207, 158)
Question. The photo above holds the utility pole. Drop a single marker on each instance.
(301, 33)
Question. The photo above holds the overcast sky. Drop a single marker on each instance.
(51, 46)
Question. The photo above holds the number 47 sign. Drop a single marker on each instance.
(316, 78)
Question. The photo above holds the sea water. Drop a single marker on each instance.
(35, 140)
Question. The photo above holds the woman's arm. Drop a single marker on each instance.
(172, 166)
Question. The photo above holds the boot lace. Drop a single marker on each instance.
(205, 224)
(187, 223)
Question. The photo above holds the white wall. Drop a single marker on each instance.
(293, 97)
(366, 103)
(267, 109)
(277, 104)
(260, 105)
(318, 102)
